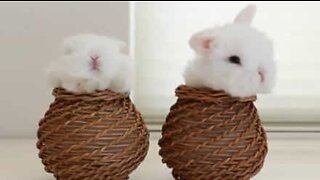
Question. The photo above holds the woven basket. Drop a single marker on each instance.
(210, 135)
(92, 136)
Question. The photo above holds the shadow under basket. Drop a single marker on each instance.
(92, 136)
(211, 135)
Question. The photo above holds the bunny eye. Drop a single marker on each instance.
(234, 60)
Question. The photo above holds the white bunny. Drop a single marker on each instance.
(91, 62)
(235, 58)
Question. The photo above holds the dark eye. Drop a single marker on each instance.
(235, 60)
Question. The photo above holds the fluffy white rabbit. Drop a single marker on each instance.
(235, 58)
(91, 62)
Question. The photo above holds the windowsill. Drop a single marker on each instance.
(292, 156)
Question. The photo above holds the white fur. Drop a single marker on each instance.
(246, 15)
(73, 72)
(211, 68)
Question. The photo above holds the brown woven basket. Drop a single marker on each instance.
(92, 136)
(211, 135)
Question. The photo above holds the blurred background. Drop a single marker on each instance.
(157, 34)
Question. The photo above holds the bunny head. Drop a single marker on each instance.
(90, 51)
(90, 62)
(235, 58)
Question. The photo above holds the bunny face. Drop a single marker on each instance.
(91, 53)
(235, 58)
(91, 62)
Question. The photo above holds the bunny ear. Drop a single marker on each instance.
(122, 45)
(118, 44)
(66, 46)
(202, 42)
(246, 15)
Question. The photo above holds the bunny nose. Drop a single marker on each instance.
(94, 57)
(94, 62)
(261, 73)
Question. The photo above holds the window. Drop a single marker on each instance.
(162, 31)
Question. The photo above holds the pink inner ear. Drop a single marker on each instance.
(207, 44)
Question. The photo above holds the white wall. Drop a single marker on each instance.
(30, 33)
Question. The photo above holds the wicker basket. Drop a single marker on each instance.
(92, 136)
(210, 135)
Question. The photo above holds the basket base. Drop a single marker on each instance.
(226, 177)
(94, 178)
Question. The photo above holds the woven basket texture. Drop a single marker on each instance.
(92, 136)
(209, 135)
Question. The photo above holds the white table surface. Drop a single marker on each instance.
(292, 156)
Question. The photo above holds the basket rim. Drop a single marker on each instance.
(106, 95)
(209, 95)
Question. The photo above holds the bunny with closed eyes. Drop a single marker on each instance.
(235, 58)
(90, 62)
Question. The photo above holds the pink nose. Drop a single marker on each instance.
(94, 58)
(94, 62)
(261, 73)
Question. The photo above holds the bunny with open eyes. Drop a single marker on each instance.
(91, 62)
(235, 58)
